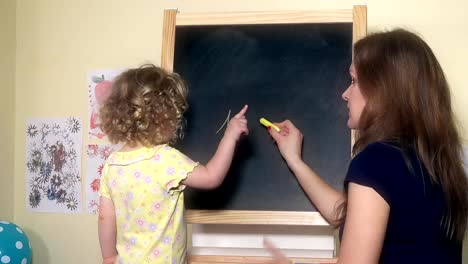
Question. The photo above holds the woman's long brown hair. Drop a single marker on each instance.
(408, 99)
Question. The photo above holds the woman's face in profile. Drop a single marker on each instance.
(355, 100)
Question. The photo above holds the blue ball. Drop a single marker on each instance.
(14, 244)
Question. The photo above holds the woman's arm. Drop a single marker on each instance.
(364, 232)
(366, 224)
(325, 198)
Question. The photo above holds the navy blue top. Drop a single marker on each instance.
(414, 232)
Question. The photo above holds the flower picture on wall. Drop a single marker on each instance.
(53, 165)
(99, 88)
(96, 156)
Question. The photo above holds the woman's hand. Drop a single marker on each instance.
(278, 256)
(289, 140)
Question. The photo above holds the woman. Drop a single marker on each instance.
(405, 193)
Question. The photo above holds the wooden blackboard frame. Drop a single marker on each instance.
(172, 18)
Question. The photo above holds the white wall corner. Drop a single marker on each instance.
(465, 158)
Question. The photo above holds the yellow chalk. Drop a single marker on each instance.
(267, 123)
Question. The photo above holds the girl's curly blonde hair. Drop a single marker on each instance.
(145, 107)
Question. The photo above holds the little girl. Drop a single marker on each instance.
(141, 216)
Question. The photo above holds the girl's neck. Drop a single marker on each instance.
(129, 147)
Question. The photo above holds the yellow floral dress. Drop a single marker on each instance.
(145, 187)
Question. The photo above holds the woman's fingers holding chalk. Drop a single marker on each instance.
(274, 134)
(275, 127)
(287, 127)
(286, 123)
(284, 131)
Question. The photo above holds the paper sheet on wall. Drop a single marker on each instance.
(96, 156)
(53, 165)
(99, 88)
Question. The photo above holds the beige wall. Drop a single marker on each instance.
(7, 105)
(59, 41)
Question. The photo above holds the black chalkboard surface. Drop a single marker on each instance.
(293, 71)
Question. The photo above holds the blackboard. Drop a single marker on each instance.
(294, 71)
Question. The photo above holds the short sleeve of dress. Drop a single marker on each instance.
(175, 167)
(374, 167)
(104, 189)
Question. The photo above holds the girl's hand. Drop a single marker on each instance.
(289, 140)
(109, 260)
(237, 126)
(278, 256)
